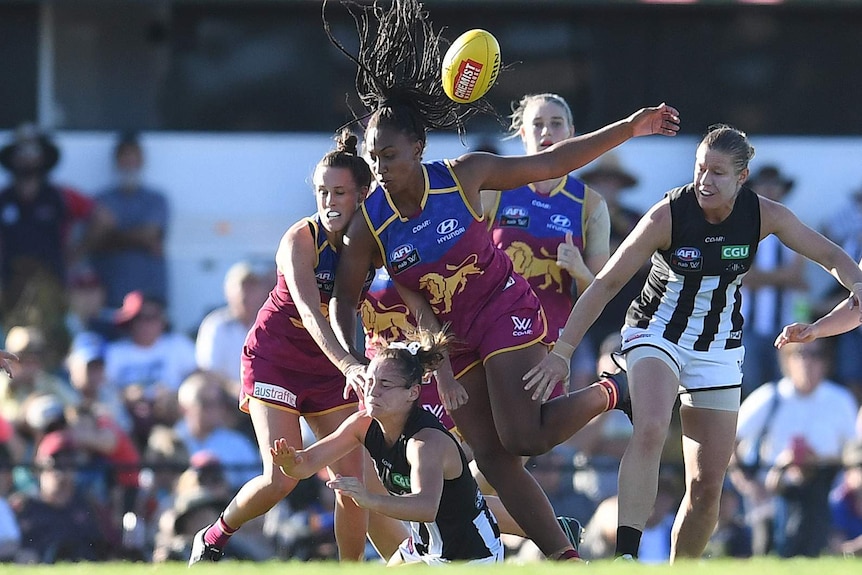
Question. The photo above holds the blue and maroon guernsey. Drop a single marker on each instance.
(529, 227)
(278, 334)
(445, 251)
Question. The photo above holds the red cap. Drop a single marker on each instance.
(52, 444)
(132, 305)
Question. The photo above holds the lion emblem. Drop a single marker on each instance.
(528, 265)
(390, 322)
(324, 309)
(442, 289)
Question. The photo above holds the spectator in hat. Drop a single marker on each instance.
(774, 286)
(40, 234)
(28, 377)
(149, 355)
(129, 252)
(148, 363)
(611, 179)
(222, 332)
(86, 366)
(845, 502)
(58, 523)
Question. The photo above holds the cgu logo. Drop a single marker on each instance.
(561, 220)
(447, 226)
(734, 252)
(400, 252)
(688, 254)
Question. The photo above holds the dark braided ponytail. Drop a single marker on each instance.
(398, 69)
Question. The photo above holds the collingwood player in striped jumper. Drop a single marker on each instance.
(421, 465)
(683, 334)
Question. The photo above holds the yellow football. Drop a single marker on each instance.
(471, 66)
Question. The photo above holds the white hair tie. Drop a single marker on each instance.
(413, 347)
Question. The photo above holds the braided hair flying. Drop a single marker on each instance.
(398, 69)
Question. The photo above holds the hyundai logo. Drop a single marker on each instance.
(447, 226)
(561, 221)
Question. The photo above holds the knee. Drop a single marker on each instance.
(650, 435)
(281, 485)
(519, 443)
(705, 491)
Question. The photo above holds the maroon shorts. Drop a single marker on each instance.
(497, 331)
(303, 392)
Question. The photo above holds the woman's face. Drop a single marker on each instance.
(544, 124)
(387, 391)
(337, 195)
(394, 157)
(715, 178)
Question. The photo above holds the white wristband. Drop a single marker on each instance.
(563, 350)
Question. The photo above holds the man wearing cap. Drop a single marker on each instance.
(29, 377)
(774, 291)
(56, 524)
(149, 356)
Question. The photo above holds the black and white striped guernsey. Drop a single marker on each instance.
(464, 529)
(692, 291)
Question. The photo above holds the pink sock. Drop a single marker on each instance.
(218, 534)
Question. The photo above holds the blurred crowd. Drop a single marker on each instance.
(120, 437)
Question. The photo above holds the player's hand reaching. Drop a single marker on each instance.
(544, 377)
(351, 487)
(661, 119)
(355, 379)
(285, 457)
(796, 333)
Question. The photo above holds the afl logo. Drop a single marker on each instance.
(400, 252)
(447, 226)
(515, 212)
(325, 276)
(687, 254)
(686, 259)
(561, 221)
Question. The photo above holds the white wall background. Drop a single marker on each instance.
(233, 195)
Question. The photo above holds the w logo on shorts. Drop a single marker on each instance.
(522, 325)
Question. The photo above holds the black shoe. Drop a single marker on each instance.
(624, 398)
(573, 529)
(202, 551)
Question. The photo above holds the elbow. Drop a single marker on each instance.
(426, 514)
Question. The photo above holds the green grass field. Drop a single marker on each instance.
(826, 566)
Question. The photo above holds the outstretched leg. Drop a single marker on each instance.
(708, 437)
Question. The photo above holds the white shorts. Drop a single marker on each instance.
(410, 556)
(707, 379)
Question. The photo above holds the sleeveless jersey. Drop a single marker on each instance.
(464, 528)
(529, 227)
(445, 251)
(693, 288)
(278, 333)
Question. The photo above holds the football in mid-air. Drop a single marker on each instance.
(471, 66)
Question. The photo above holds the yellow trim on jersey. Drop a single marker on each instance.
(315, 234)
(375, 232)
(494, 209)
(478, 217)
(523, 345)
